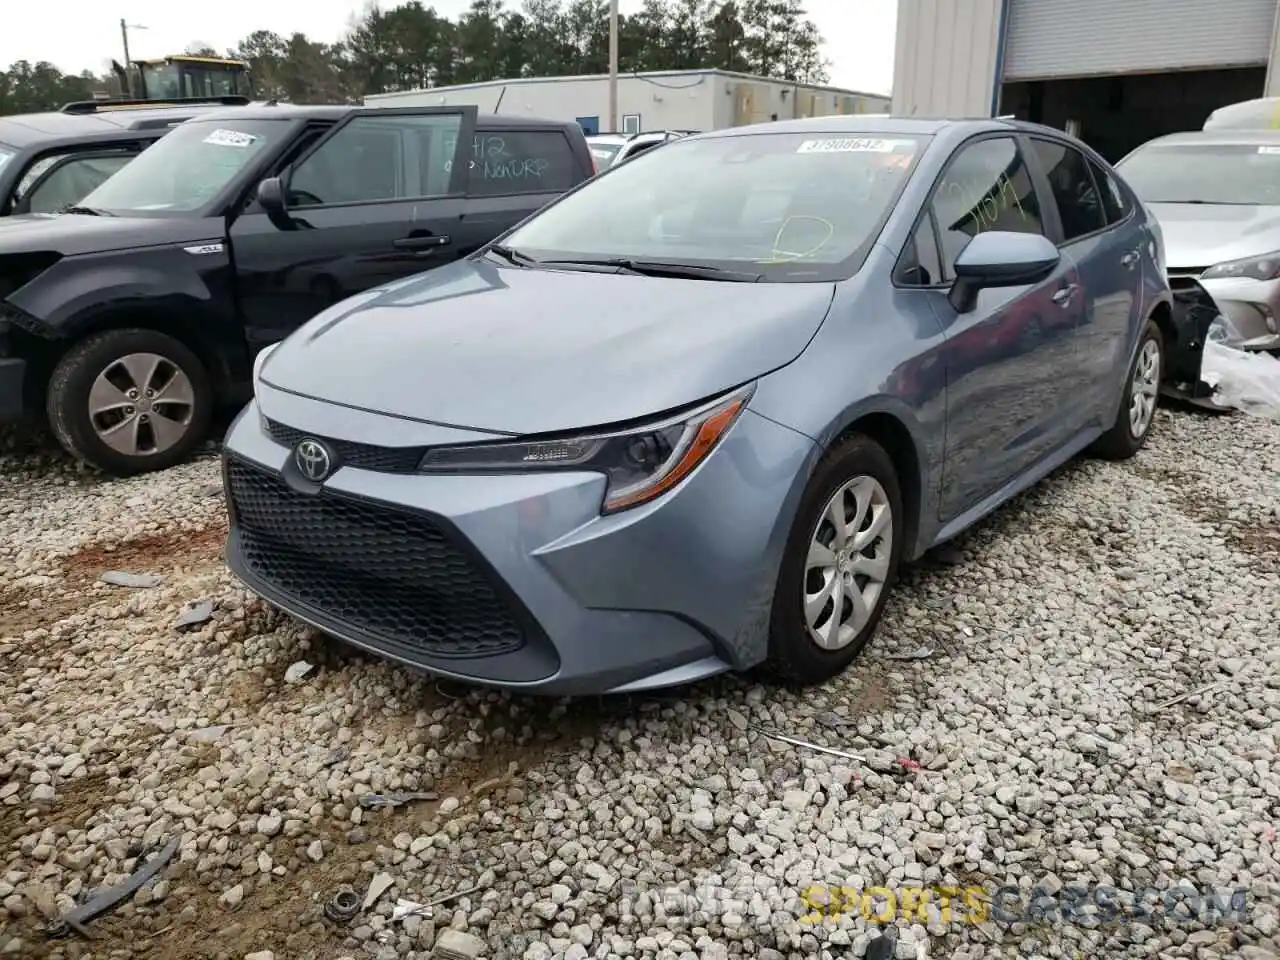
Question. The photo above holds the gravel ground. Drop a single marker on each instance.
(1034, 748)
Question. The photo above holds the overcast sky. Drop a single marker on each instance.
(85, 34)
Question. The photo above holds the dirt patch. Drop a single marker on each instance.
(167, 552)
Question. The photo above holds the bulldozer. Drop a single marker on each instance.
(184, 77)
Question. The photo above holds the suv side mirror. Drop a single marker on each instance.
(271, 197)
(1000, 259)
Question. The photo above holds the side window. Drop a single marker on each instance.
(985, 187)
(521, 161)
(920, 264)
(1114, 203)
(73, 181)
(1079, 205)
(397, 157)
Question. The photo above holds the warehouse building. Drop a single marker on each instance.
(662, 100)
(1113, 72)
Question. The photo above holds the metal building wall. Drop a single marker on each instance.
(946, 57)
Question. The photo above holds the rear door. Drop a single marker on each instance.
(379, 196)
(513, 172)
(1106, 255)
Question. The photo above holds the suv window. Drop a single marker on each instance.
(1114, 203)
(521, 161)
(70, 183)
(1079, 206)
(400, 157)
(985, 187)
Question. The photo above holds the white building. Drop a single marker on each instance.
(1114, 72)
(662, 100)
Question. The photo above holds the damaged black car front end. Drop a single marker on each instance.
(1194, 312)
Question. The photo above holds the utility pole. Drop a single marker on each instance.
(128, 65)
(613, 66)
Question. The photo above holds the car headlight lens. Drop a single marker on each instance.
(641, 463)
(1265, 267)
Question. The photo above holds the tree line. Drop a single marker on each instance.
(412, 46)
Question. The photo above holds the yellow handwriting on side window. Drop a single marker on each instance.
(983, 206)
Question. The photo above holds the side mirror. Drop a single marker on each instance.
(1000, 259)
(271, 197)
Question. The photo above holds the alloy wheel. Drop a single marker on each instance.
(1145, 389)
(141, 404)
(848, 563)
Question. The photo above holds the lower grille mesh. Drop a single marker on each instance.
(397, 577)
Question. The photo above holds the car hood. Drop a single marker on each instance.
(524, 351)
(72, 234)
(1200, 235)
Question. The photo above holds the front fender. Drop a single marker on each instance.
(71, 296)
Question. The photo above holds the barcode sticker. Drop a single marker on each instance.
(231, 138)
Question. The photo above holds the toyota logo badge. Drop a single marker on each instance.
(312, 460)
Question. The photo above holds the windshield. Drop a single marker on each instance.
(784, 205)
(187, 168)
(1227, 173)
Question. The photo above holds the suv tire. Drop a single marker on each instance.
(129, 401)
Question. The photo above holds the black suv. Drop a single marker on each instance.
(51, 160)
(130, 317)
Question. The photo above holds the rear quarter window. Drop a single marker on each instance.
(506, 162)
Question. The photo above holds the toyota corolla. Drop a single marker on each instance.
(479, 473)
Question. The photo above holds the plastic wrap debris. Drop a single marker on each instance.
(1245, 380)
(297, 671)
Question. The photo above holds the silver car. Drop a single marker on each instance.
(1216, 195)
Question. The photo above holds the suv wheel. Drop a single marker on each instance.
(840, 562)
(129, 401)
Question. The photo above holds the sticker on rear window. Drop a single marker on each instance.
(1271, 150)
(852, 145)
(231, 138)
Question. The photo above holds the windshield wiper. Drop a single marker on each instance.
(86, 211)
(512, 255)
(1210, 203)
(661, 268)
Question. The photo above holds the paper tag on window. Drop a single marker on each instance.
(231, 138)
(1269, 150)
(852, 145)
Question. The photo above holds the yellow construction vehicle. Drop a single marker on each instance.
(184, 77)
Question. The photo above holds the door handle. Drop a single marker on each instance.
(422, 243)
(1129, 260)
(1064, 295)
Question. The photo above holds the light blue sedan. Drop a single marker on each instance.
(694, 415)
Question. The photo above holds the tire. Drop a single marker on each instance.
(1124, 439)
(795, 655)
(93, 373)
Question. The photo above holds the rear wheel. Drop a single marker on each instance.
(1138, 406)
(840, 562)
(129, 401)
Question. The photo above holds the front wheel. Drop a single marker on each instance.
(129, 401)
(1128, 434)
(841, 559)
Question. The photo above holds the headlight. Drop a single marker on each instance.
(640, 464)
(259, 360)
(1265, 267)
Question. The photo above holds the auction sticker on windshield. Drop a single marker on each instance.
(1269, 150)
(231, 138)
(853, 145)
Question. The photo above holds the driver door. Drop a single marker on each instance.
(378, 197)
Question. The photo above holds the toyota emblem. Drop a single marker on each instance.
(312, 460)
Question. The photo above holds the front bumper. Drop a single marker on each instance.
(516, 581)
(1251, 308)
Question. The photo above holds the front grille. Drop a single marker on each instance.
(363, 456)
(397, 578)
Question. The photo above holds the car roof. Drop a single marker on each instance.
(1231, 135)
(853, 125)
(336, 111)
(29, 129)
